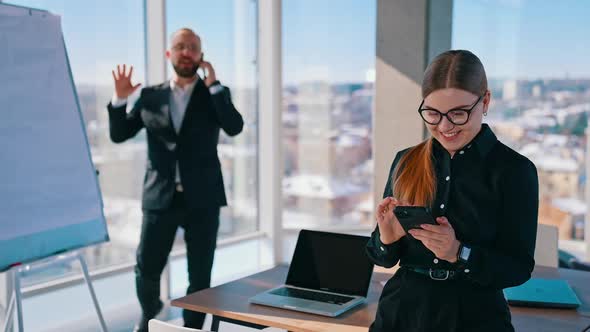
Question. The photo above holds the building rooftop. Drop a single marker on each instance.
(317, 186)
(570, 205)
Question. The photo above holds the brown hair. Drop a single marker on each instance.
(414, 179)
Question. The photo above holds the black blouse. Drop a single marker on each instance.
(489, 193)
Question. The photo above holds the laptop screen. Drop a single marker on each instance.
(331, 262)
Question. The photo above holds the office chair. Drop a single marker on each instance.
(155, 325)
(582, 266)
(570, 261)
(546, 253)
(565, 259)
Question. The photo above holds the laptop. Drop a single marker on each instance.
(546, 293)
(329, 274)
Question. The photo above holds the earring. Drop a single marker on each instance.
(485, 113)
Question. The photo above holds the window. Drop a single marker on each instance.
(328, 74)
(228, 31)
(540, 82)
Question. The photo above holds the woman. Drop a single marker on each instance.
(484, 197)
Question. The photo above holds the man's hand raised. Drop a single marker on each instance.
(123, 86)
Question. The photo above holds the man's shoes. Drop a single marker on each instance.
(142, 325)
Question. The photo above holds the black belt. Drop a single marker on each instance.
(435, 274)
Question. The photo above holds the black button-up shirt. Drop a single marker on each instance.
(489, 193)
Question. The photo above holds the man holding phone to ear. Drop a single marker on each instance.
(183, 184)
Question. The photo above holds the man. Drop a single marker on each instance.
(183, 184)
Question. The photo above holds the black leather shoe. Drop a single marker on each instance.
(140, 328)
(142, 325)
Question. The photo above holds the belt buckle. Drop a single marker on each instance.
(437, 274)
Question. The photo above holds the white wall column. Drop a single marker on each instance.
(155, 73)
(409, 34)
(155, 41)
(587, 219)
(270, 167)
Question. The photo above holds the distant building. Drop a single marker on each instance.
(558, 177)
(323, 197)
(537, 91)
(510, 90)
(567, 214)
(557, 165)
(324, 144)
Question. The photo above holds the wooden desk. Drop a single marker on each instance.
(229, 302)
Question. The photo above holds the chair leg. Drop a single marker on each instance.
(215, 324)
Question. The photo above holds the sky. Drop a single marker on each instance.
(526, 39)
(330, 40)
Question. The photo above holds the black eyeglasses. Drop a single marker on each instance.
(456, 116)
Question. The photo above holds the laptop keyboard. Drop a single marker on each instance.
(311, 295)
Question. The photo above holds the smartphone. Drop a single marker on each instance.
(201, 68)
(411, 217)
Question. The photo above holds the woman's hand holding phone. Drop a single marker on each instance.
(440, 239)
(390, 229)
